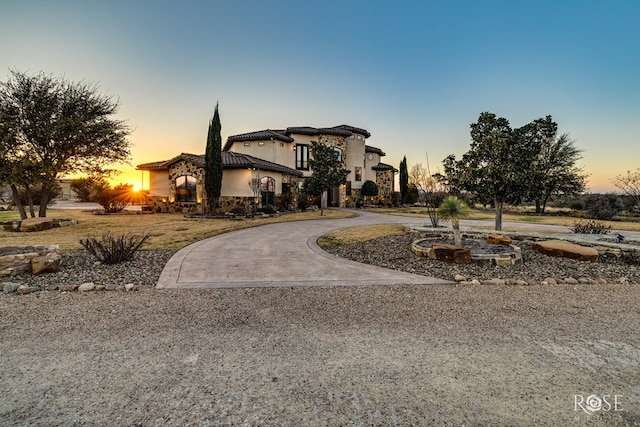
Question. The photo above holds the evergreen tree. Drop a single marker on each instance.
(213, 163)
(404, 180)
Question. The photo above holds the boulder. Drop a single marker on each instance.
(560, 248)
(49, 263)
(498, 239)
(450, 253)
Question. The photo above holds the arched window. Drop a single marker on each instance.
(185, 188)
(268, 190)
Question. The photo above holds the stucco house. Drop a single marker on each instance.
(276, 159)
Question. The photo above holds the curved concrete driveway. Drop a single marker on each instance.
(282, 254)
(286, 254)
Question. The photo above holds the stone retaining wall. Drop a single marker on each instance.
(16, 260)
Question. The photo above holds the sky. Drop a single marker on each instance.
(415, 74)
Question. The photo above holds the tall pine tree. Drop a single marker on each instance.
(213, 163)
(404, 180)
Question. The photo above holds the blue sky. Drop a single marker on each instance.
(415, 74)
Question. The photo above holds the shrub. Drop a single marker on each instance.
(603, 206)
(284, 202)
(268, 210)
(369, 189)
(86, 187)
(114, 248)
(590, 227)
(239, 210)
(113, 200)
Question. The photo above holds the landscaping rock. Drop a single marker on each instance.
(24, 289)
(49, 263)
(561, 248)
(450, 253)
(68, 288)
(571, 281)
(459, 278)
(86, 287)
(498, 239)
(10, 287)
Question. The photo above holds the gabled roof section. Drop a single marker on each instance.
(230, 160)
(260, 135)
(233, 160)
(384, 167)
(196, 159)
(353, 129)
(370, 149)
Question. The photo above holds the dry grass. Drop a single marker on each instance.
(168, 231)
(489, 215)
(363, 233)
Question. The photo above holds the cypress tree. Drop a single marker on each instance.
(404, 180)
(213, 163)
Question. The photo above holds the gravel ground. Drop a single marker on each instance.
(394, 252)
(374, 355)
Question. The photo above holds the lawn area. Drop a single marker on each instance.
(168, 231)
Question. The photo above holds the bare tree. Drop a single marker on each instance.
(629, 184)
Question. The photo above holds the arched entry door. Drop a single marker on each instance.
(268, 190)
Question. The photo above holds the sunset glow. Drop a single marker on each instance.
(415, 74)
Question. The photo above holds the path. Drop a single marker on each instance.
(286, 254)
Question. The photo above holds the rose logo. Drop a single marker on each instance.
(593, 403)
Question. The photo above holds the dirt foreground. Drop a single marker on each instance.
(396, 355)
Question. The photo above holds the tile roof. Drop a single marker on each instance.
(230, 160)
(384, 167)
(353, 129)
(284, 135)
(370, 149)
(260, 135)
(307, 130)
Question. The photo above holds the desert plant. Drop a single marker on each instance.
(110, 248)
(590, 227)
(453, 209)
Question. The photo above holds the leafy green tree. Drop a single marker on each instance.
(327, 172)
(552, 169)
(369, 189)
(454, 209)
(50, 127)
(404, 180)
(493, 166)
(86, 187)
(505, 165)
(213, 163)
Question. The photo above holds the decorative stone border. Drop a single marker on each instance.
(499, 259)
(37, 224)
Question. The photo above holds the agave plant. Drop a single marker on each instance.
(453, 209)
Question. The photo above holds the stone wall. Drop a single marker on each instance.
(16, 260)
(384, 181)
